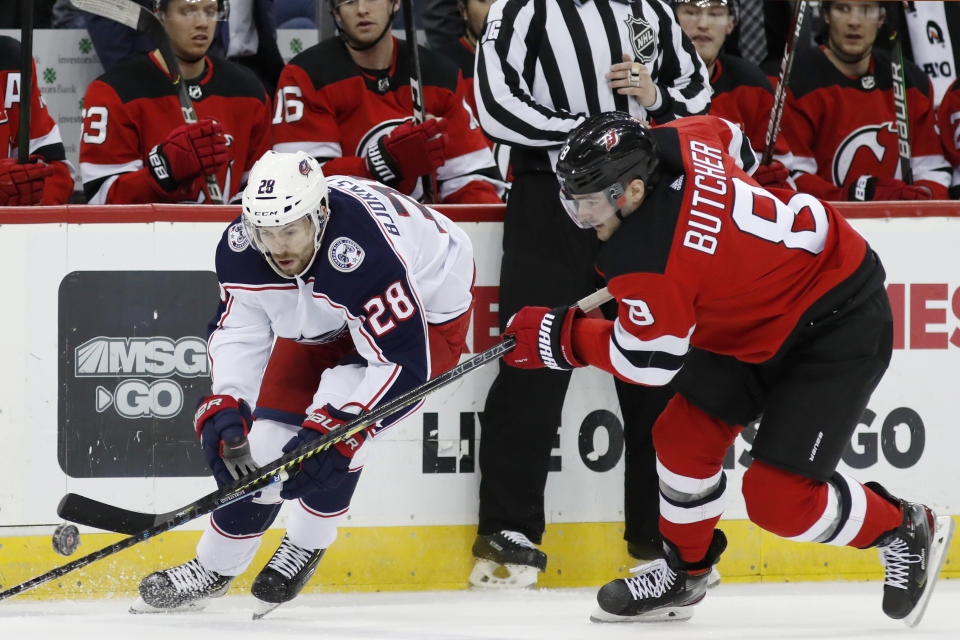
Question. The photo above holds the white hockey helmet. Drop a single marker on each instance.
(283, 188)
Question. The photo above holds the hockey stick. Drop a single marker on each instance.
(900, 106)
(416, 86)
(780, 95)
(276, 471)
(142, 20)
(26, 81)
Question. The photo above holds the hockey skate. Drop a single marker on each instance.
(506, 560)
(186, 587)
(662, 590)
(646, 552)
(289, 569)
(912, 555)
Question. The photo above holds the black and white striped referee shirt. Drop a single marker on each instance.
(541, 65)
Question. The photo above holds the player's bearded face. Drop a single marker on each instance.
(364, 22)
(190, 25)
(853, 29)
(291, 246)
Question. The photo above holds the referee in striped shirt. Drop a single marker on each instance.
(542, 67)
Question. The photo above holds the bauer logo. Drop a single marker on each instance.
(133, 367)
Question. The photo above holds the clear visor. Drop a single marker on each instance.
(284, 239)
(589, 210)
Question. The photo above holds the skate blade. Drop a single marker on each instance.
(139, 606)
(487, 574)
(667, 614)
(263, 608)
(938, 553)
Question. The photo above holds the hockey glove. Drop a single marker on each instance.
(867, 188)
(189, 151)
(771, 175)
(328, 468)
(408, 152)
(544, 338)
(22, 184)
(222, 423)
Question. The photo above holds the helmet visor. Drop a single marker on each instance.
(589, 210)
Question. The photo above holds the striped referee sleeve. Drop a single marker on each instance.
(503, 80)
(679, 70)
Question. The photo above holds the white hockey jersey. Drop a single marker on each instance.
(386, 268)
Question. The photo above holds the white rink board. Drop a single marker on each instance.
(394, 489)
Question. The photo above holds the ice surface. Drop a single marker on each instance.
(802, 611)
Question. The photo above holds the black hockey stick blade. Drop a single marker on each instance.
(26, 80)
(141, 19)
(86, 511)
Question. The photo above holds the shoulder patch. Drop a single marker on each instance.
(345, 254)
(237, 237)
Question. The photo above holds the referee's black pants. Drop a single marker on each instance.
(549, 261)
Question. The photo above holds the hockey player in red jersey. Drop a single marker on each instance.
(337, 294)
(46, 178)
(742, 93)
(747, 301)
(347, 102)
(841, 119)
(136, 147)
(948, 118)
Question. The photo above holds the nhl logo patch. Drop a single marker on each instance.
(868, 82)
(237, 237)
(345, 254)
(195, 91)
(643, 39)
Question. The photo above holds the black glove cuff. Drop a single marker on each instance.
(159, 168)
(381, 165)
(551, 340)
(862, 189)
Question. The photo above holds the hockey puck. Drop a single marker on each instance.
(66, 539)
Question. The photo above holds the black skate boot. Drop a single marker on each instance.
(285, 575)
(506, 560)
(186, 587)
(662, 590)
(912, 555)
(649, 550)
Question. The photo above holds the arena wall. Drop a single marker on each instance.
(102, 335)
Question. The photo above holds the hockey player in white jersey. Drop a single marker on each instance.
(368, 294)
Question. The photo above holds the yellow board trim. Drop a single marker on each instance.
(437, 557)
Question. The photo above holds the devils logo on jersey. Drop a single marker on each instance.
(870, 150)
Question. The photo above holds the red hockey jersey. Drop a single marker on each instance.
(948, 118)
(329, 107)
(132, 108)
(712, 260)
(44, 134)
(743, 95)
(841, 128)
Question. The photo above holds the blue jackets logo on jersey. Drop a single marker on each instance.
(345, 254)
(642, 39)
(237, 237)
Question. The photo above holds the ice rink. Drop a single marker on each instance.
(802, 611)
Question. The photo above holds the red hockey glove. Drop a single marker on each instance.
(544, 338)
(325, 469)
(189, 151)
(867, 188)
(22, 184)
(408, 152)
(771, 175)
(222, 424)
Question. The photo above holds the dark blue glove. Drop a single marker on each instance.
(222, 423)
(326, 469)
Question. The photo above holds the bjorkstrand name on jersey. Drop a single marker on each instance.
(709, 176)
